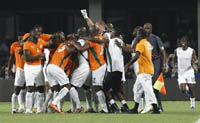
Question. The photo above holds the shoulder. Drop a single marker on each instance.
(14, 44)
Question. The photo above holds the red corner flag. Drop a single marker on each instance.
(159, 84)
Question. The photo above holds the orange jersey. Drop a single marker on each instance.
(34, 51)
(60, 56)
(45, 37)
(19, 59)
(42, 41)
(145, 59)
(96, 55)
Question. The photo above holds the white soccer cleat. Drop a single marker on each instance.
(21, 110)
(147, 109)
(28, 112)
(84, 13)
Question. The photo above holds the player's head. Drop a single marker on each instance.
(35, 33)
(141, 33)
(148, 28)
(82, 31)
(135, 30)
(101, 25)
(39, 27)
(116, 33)
(109, 27)
(94, 30)
(184, 41)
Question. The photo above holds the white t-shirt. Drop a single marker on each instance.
(82, 60)
(115, 58)
(184, 58)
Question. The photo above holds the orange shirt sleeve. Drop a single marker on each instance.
(26, 36)
(45, 37)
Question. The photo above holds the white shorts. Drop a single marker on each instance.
(44, 69)
(98, 76)
(56, 76)
(33, 75)
(136, 68)
(88, 81)
(188, 77)
(19, 77)
(80, 75)
(142, 84)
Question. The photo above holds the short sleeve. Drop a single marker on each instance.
(140, 47)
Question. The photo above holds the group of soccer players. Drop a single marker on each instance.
(49, 66)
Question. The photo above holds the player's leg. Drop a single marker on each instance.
(97, 81)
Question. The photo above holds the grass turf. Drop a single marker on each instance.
(174, 112)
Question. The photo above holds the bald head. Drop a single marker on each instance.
(148, 28)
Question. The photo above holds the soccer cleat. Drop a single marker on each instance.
(125, 108)
(20, 110)
(114, 108)
(147, 109)
(155, 112)
(102, 111)
(90, 111)
(133, 111)
(192, 107)
(54, 107)
(14, 111)
(29, 112)
(79, 110)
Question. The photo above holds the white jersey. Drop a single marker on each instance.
(84, 55)
(184, 60)
(115, 59)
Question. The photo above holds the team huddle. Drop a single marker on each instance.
(49, 66)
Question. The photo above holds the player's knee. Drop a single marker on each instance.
(17, 90)
(97, 88)
(55, 88)
(40, 89)
(86, 87)
(31, 89)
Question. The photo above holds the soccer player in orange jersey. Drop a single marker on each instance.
(56, 74)
(33, 56)
(16, 52)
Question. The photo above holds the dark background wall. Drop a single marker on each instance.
(173, 92)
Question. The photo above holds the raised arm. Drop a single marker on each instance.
(88, 20)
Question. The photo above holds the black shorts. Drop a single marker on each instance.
(113, 80)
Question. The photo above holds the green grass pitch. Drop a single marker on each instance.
(174, 112)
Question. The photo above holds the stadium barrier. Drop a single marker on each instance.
(171, 85)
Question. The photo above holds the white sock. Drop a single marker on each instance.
(61, 95)
(21, 98)
(88, 96)
(73, 106)
(123, 102)
(112, 101)
(55, 94)
(60, 104)
(35, 99)
(40, 100)
(14, 101)
(141, 104)
(96, 102)
(192, 102)
(49, 95)
(74, 95)
(29, 101)
(101, 98)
